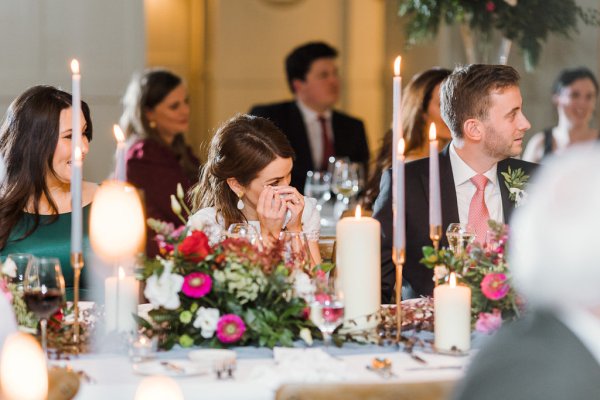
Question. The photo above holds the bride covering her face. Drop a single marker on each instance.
(246, 179)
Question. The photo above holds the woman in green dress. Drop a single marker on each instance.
(35, 197)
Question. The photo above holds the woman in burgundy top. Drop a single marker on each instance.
(156, 114)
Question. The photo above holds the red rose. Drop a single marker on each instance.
(490, 6)
(55, 321)
(195, 247)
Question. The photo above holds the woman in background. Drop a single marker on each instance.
(574, 94)
(247, 179)
(420, 108)
(155, 117)
(35, 197)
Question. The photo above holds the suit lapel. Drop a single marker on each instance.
(507, 204)
(297, 128)
(448, 190)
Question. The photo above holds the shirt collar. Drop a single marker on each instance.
(309, 114)
(462, 172)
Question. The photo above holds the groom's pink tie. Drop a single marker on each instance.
(478, 212)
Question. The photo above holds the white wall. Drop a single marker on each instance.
(38, 39)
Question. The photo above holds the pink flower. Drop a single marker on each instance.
(489, 322)
(494, 286)
(490, 6)
(230, 328)
(196, 285)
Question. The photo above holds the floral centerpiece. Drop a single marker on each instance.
(485, 270)
(222, 294)
(525, 22)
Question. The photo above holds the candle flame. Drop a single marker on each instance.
(432, 131)
(121, 273)
(400, 149)
(118, 133)
(75, 67)
(357, 213)
(397, 66)
(77, 153)
(452, 280)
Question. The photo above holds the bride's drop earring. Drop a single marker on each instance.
(240, 203)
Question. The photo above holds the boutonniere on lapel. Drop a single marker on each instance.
(515, 181)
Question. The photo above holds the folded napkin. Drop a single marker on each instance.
(301, 365)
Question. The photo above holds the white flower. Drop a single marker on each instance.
(180, 193)
(163, 290)
(9, 268)
(440, 272)
(520, 196)
(302, 285)
(175, 206)
(206, 320)
(306, 336)
(213, 231)
(511, 3)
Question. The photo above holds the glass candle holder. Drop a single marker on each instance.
(142, 347)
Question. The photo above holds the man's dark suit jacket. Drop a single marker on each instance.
(536, 358)
(349, 138)
(417, 218)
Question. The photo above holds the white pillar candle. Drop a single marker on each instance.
(435, 202)
(76, 161)
(359, 270)
(120, 162)
(120, 301)
(452, 316)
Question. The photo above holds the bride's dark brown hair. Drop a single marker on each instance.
(28, 139)
(240, 149)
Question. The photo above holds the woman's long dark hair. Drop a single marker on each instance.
(28, 139)
(240, 149)
(145, 92)
(415, 102)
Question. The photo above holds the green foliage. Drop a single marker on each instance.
(528, 23)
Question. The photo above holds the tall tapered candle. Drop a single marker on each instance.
(435, 202)
(76, 161)
(398, 205)
(396, 115)
(120, 171)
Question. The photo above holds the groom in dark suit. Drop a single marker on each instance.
(553, 353)
(481, 104)
(315, 130)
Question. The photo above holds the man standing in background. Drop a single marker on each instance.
(315, 130)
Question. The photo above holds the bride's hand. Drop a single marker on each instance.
(295, 204)
(271, 211)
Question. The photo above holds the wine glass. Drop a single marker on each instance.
(44, 291)
(242, 230)
(20, 263)
(460, 236)
(318, 185)
(344, 183)
(327, 310)
(295, 251)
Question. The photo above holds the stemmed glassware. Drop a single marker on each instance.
(21, 261)
(327, 309)
(295, 251)
(44, 291)
(244, 231)
(345, 183)
(460, 236)
(318, 185)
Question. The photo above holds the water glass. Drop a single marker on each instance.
(327, 310)
(19, 262)
(460, 236)
(244, 231)
(295, 251)
(142, 347)
(318, 186)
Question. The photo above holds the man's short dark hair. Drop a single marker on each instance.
(466, 93)
(298, 62)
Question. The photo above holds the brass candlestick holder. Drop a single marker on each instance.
(398, 259)
(435, 234)
(77, 265)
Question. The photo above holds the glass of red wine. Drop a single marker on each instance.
(44, 291)
(327, 310)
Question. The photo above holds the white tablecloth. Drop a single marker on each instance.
(258, 378)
